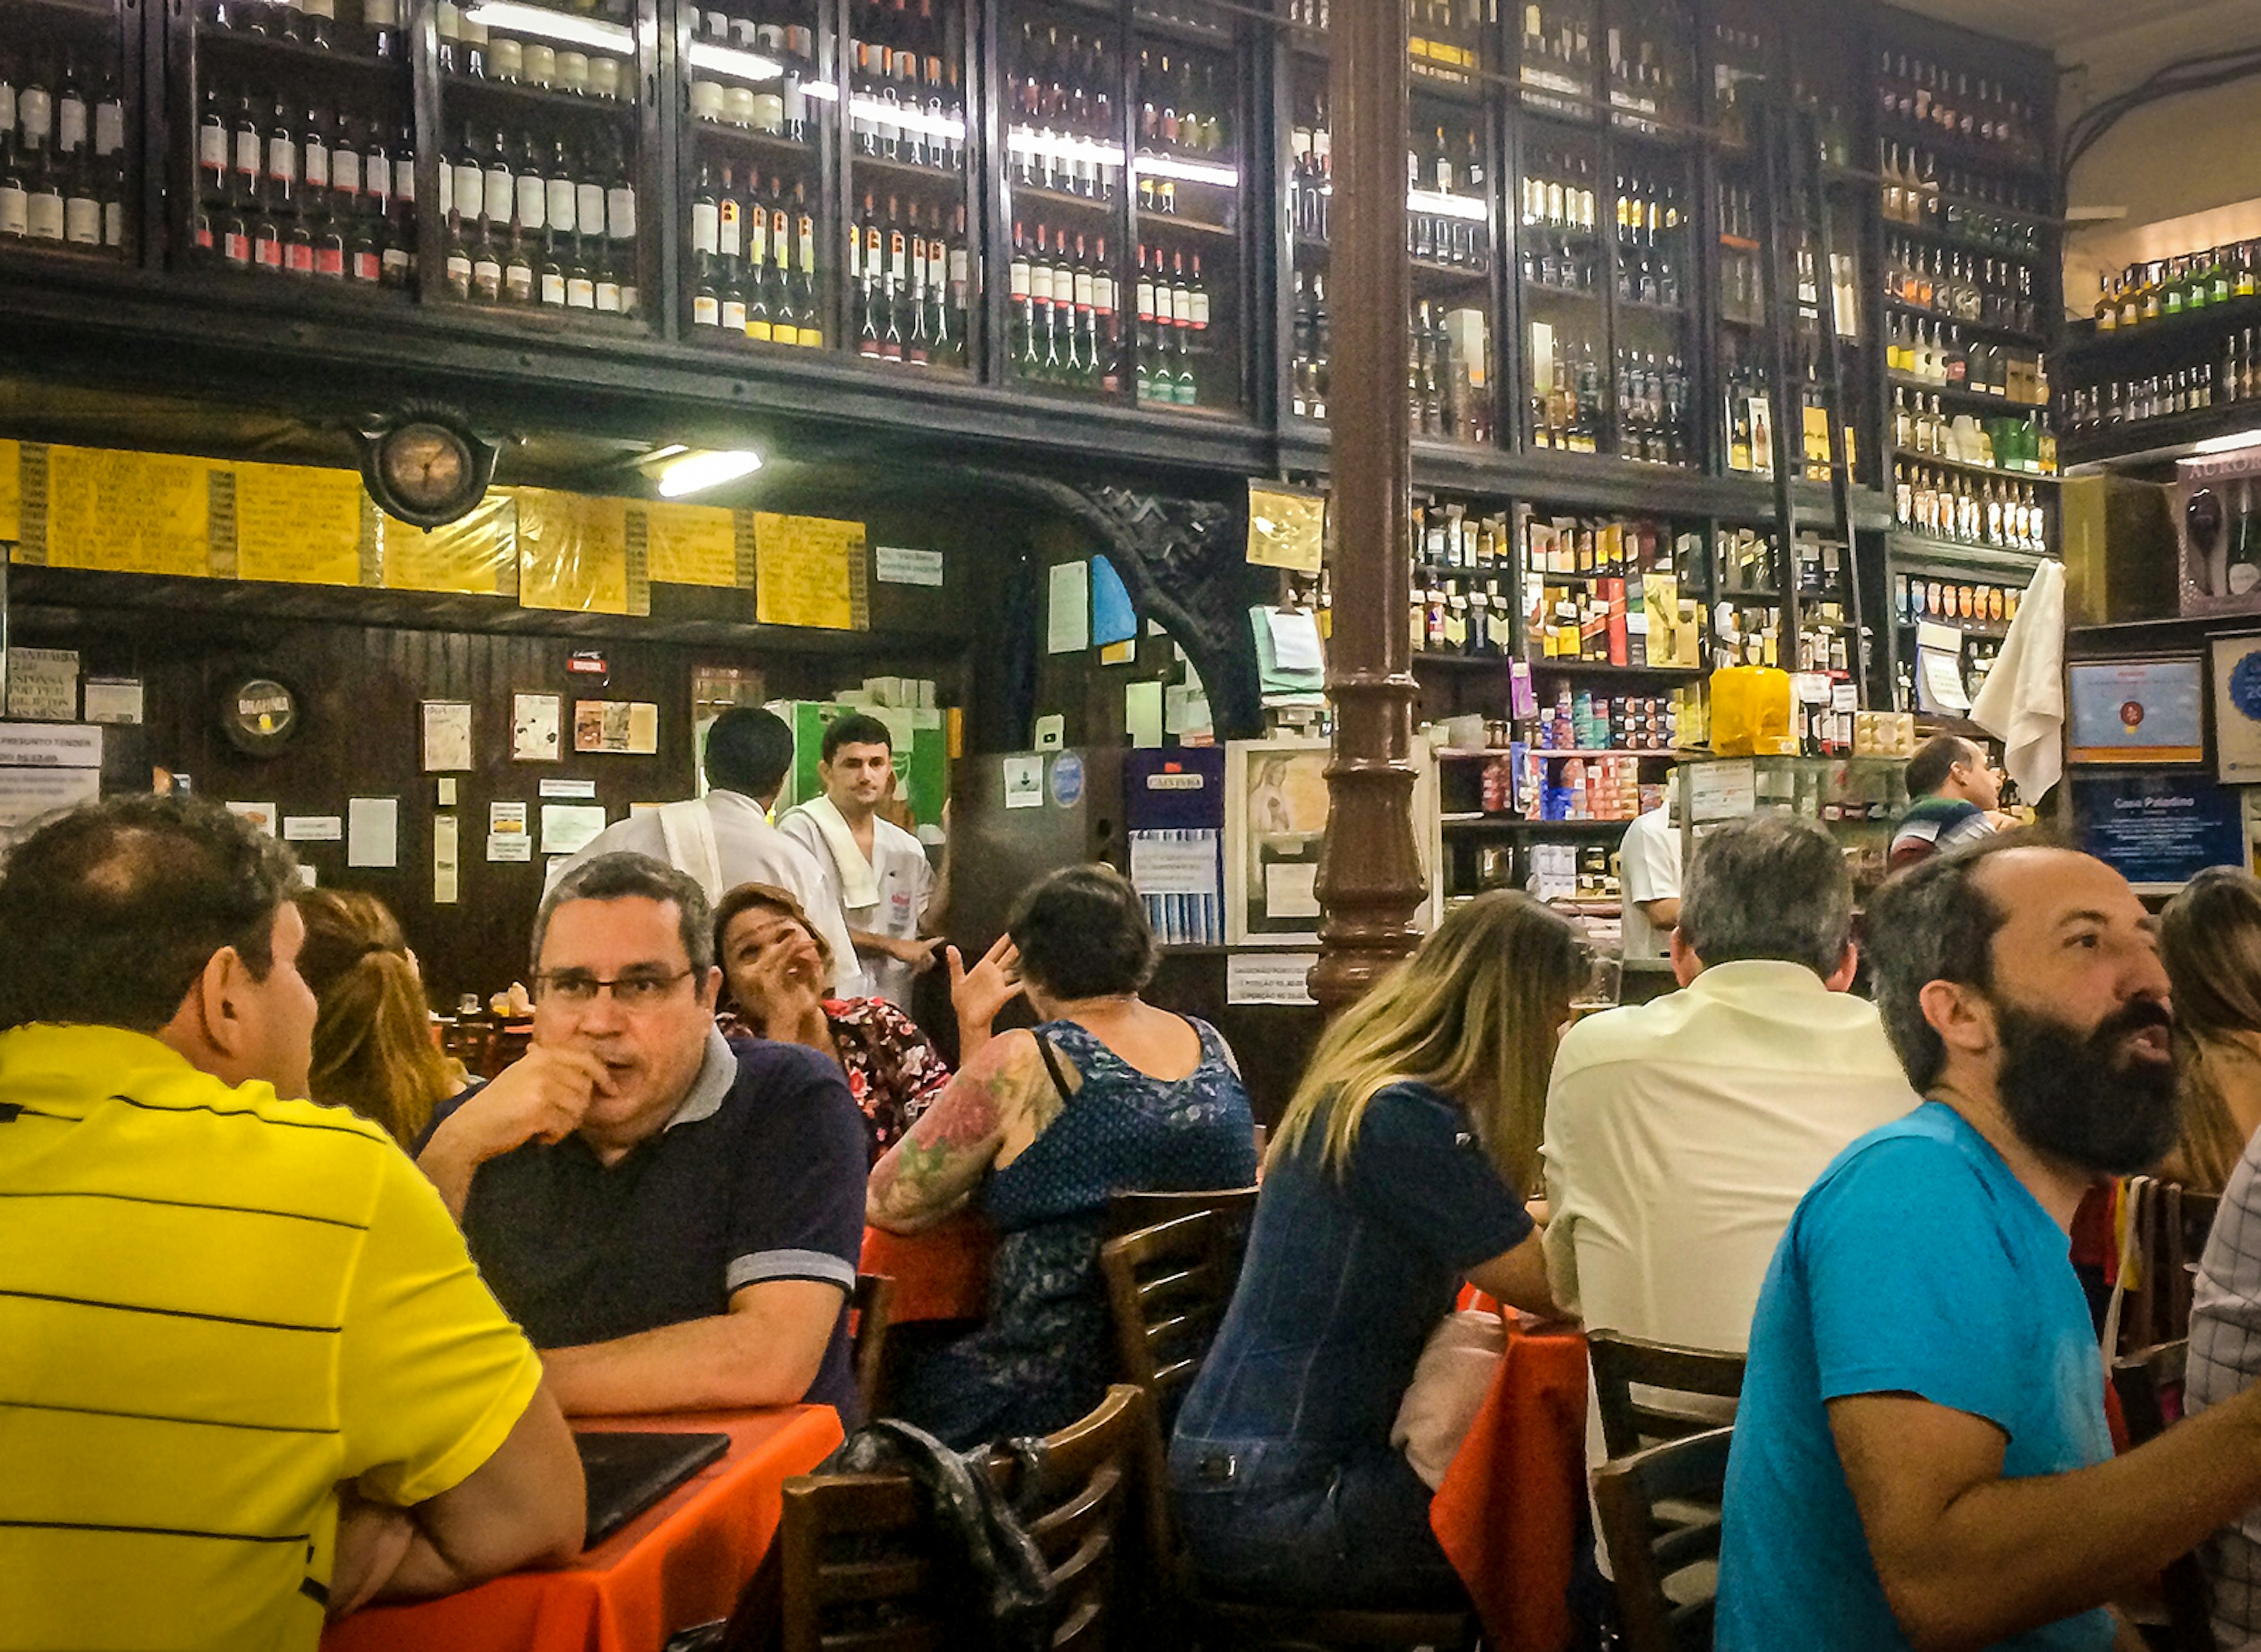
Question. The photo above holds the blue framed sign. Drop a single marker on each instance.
(2135, 711)
(2157, 830)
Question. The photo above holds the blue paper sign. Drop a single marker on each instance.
(1112, 620)
(1067, 779)
(2157, 830)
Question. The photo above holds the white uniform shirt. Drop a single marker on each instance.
(751, 851)
(906, 880)
(1681, 1135)
(1648, 869)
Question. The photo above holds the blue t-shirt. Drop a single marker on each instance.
(1917, 1264)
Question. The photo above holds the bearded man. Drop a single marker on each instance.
(1921, 1457)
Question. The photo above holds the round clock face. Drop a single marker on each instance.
(259, 715)
(428, 467)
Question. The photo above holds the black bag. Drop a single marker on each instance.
(996, 1593)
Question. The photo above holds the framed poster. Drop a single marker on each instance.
(2150, 711)
(1275, 818)
(2157, 830)
(2235, 663)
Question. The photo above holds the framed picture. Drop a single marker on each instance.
(1275, 818)
(2235, 663)
(2157, 830)
(2146, 711)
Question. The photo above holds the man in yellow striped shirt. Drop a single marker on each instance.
(248, 1372)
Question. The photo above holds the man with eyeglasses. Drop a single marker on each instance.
(674, 1218)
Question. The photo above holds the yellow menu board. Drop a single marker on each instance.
(692, 544)
(298, 525)
(810, 572)
(12, 491)
(128, 513)
(474, 555)
(573, 552)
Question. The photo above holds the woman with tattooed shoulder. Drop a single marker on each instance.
(1108, 1096)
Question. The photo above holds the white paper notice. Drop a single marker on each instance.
(314, 829)
(1069, 630)
(446, 860)
(1024, 782)
(50, 745)
(1722, 791)
(1268, 978)
(507, 817)
(263, 816)
(43, 684)
(29, 794)
(372, 831)
(568, 788)
(508, 838)
(1295, 644)
(567, 828)
(535, 719)
(1940, 677)
(898, 565)
(447, 736)
(1051, 733)
(114, 700)
(1142, 714)
(1291, 889)
(1164, 865)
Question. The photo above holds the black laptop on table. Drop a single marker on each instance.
(629, 1472)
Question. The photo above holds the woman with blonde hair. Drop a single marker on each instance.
(2210, 941)
(1399, 1170)
(373, 1049)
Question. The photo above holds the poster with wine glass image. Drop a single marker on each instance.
(2237, 672)
(1275, 820)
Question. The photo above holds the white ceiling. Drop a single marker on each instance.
(2063, 25)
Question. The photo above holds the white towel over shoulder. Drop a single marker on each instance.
(2022, 701)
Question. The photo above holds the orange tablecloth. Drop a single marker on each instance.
(942, 1273)
(681, 1562)
(1507, 1514)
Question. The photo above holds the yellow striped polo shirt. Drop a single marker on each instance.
(215, 1305)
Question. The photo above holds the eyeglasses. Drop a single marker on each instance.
(638, 990)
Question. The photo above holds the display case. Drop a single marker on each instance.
(69, 86)
(549, 138)
(1187, 167)
(1855, 799)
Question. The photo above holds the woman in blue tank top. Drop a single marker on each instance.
(1039, 1130)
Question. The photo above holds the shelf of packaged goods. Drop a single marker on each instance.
(2167, 334)
(1518, 823)
(1159, 223)
(1911, 547)
(1957, 392)
(1604, 670)
(281, 50)
(1982, 329)
(1603, 751)
(1933, 234)
(1543, 577)
(1965, 467)
(2158, 442)
(548, 96)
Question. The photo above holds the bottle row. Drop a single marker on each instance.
(1912, 92)
(1066, 323)
(2116, 403)
(1936, 352)
(370, 28)
(1965, 206)
(1448, 375)
(1915, 597)
(2002, 514)
(71, 201)
(1610, 547)
(907, 102)
(1995, 292)
(48, 108)
(1750, 566)
(2169, 287)
(550, 268)
(287, 158)
(1065, 89)
(1583, 722)
(468, 46)
(2020, 446)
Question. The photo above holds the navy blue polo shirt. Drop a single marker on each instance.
(758, 1175)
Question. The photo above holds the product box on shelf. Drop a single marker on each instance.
(2217, 523)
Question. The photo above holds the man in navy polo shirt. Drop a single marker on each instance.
(676, 1222)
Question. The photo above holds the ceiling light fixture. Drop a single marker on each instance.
(513, 19)
(697, 471)
(2237, 444)
(725, 59)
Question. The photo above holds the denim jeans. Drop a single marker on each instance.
(1286, 1523)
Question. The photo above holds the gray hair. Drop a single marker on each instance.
(1768, 886)
(625, 875)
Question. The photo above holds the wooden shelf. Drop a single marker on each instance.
(1963, 467)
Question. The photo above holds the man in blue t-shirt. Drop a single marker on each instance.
(1920, 1456)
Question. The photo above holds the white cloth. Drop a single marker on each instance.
(836, 841)
(1648, 869)
(1457, 1367)
(903, 881)
(749, 850)
(1681, 1135)
(2021, 703)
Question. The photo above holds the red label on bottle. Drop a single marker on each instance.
(300, 261)
(330, 261)
(367, 266)
(235, 248)
(268, 252)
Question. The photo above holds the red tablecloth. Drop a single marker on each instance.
(942, 1273)
(681, 1562)
(1507, 1514)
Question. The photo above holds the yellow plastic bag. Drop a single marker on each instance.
(1751, 712)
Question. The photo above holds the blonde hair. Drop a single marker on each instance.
(373, 1049)
(1475, 1013)
(2210, 942)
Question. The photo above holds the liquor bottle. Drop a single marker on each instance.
(1022, 275)
(321, 23)
(15, 194)
(919, 344)
(381, 20)
(580, 278)
(248, 154)
(82, 209)
(517, 270)
(810, 307)
(896, 283)
(35, 114)
(71, 111)
(561, 201)
(211, 151)
(498, 191)
(705, 297)
(759, 326)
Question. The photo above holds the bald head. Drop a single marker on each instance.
(1948, 765)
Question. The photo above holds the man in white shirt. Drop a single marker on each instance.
(1648, 873)
(1681, 1134)
(725, 838)
(873, 869)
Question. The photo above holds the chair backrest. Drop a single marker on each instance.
(1628, 1374)
(1127, 1212)
(871, 1310)
(2149, 1388)
(2171, 1223)
(1667, 1567)
(860, 1561)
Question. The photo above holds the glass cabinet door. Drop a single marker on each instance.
(757, 160)
(1651, 73)
(1565, 269)
(69, 73)
(543, 158)
(1309, 225)
(1189, 109)
(1740, 47)
(1452, 159)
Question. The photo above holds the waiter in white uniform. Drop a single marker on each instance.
(875, 872)
(725, 838)
(1648, 873)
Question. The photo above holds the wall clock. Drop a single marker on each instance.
(259, 715)
(425, 466)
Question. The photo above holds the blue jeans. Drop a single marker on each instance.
(1294, 1524)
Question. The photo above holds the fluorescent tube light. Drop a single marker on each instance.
(696, 472)
(513, 19)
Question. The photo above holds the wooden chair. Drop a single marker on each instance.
(1666, 1566)
(1631, 1421)
(2171, 1223)
(1167, 1290)
(860, 1566)
(870, 1313)
(2149, 1386)
(1129, 1212)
